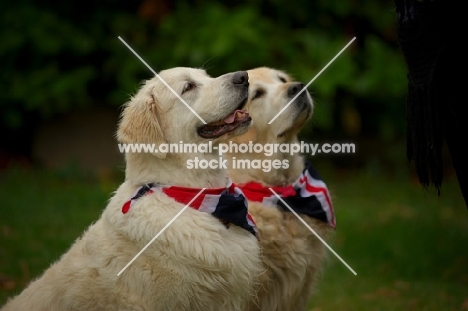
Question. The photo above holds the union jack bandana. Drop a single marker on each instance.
(228, 204)
(308, 195)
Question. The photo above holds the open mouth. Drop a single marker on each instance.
(228, 124)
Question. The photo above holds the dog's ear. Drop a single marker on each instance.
(139, 122)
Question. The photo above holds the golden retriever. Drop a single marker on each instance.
(198, 262)
(293, 255)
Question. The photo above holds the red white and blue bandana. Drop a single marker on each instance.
(308, 195)
(228, 204)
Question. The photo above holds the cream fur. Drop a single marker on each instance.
(293, 256)
(197, 263)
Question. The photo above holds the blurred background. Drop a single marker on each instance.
(64, 76)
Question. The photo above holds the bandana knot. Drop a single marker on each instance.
(309, 195)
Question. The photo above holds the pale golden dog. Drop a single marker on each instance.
(293, 256)
(198, 262)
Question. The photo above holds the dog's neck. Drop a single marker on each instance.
(275, 177)
(142, 168)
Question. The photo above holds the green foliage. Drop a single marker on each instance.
(52, 64)
(33, 40)
(56, 58)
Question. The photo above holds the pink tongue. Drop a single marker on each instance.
(232, 117)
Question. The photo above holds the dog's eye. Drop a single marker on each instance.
(282, 79)
(188, 86)
(258, 93)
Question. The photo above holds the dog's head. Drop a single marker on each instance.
(270, 91)
(156, 115)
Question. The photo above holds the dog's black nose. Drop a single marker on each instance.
(295, 88)
(241, 77)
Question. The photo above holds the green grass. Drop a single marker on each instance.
(41, 214)
(407, 245)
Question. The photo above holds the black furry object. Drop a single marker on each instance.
(430, 38)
